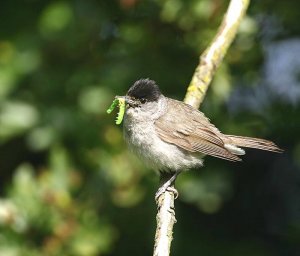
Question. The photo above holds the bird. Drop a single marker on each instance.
(171, 136)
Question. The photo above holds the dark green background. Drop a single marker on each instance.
(69, 186)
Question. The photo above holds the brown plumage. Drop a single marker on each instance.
(194, 132)
(249, 142)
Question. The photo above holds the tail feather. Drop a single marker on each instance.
(249, 142)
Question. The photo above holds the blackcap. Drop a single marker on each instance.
(171, 136)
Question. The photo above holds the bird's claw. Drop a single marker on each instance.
(163, 189)
(167, 186)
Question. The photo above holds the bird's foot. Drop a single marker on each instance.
(163, 189)
(174, 191)
(167, 186)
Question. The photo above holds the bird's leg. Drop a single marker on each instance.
(166, 182)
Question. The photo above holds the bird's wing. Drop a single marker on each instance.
(190, 130)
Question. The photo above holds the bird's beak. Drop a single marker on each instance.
(127, 99)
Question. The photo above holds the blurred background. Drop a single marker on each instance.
(69, 186)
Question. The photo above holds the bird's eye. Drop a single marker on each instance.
(143, 100)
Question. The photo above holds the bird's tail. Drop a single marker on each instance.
(249, 142)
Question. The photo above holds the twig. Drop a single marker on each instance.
(212, 57)
(209, 62)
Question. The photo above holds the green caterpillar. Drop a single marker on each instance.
(121, 104)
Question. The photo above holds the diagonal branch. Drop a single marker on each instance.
(212, 57)
(210, 60)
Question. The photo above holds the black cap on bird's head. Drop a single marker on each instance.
(144, 90)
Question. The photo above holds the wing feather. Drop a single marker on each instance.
(190, 130)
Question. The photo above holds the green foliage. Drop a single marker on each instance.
(69, 186)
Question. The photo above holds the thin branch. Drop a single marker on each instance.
(209, 62)
(165, 219)
(212, 57)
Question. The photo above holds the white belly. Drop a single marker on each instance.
(161, 156)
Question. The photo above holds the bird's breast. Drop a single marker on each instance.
(143, 140)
